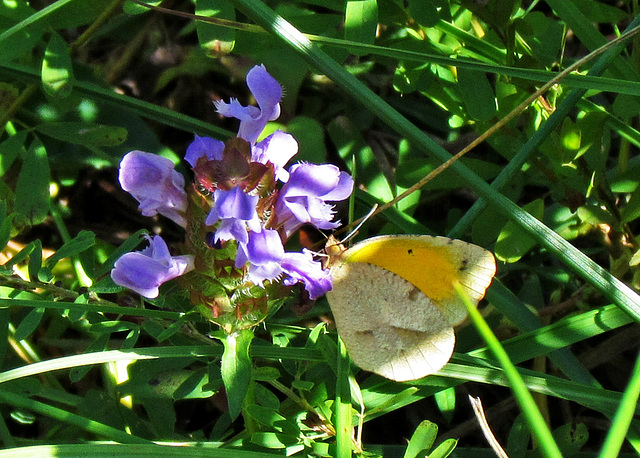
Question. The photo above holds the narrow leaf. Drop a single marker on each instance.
(32, 190)
(86, 134)
(213, 39)
(81, 242)
(422, 439)
(35, 260)
(477, 94)
(5, 224)
(236, 369)
(361, 21)
(57, 69)
(29, 324)
(10, 149)
(134, 8)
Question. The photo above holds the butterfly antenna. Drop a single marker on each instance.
(362, 221)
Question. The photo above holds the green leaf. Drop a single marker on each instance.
(361, 21)
(513, 242)
(21, 255)
(307, 131)
(544, 35)
(273, 440)
(74, 14)
(86, 134)
(196, 386)
(134, 8)
(422, 440)
(5, 225)
(424, 12)
(10, 149)
(446, 401)
(631, 210)
(595, 215)
(519, 437)
(162, 415)
(128, 245)
(214, 40)
(32, 190)
(272, 419)
(22, 38)
(236, 369)
(81, 242)
(57, 69)
(29, 324)
(477, 94)
(35, 261)
(571, 438)
(444, 449)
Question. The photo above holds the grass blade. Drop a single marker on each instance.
(528, 406)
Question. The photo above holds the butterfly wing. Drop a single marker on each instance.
(387, 324)
(432, 264)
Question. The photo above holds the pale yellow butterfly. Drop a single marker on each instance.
(394, 302)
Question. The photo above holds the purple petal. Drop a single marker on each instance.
(231, 229)
(153, 181)
(303, 198)
(302, 268)
(278, 148)
(263, 252)
(342, 189)
(233, 109)
(265, 246)
(234, 203)
(265, 272)
(313, 179)
(204, 146)
(267, 92)
(144, 271)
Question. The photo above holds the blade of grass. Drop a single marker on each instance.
(40, 15)
(92, 426)
(99, 308)
(342, 409)
(68, 362)
(624, 415)
(165, 449)
(528, 406)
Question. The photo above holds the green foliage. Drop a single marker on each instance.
(388, 90)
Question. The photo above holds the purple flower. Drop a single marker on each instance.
(144, 271)
(204, 147)
(237, 210)
(303, 198)
(153, 181)
(267, 261)
(277, 149)
(264, 252)
(301, 267)
(267, 92)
